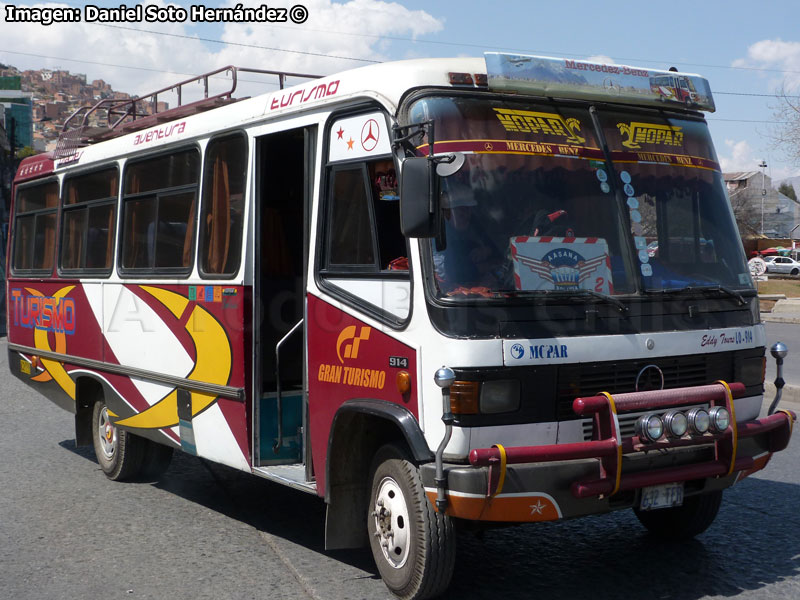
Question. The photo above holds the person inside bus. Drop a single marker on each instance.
(465, 257)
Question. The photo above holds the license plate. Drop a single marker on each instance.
(661, 496)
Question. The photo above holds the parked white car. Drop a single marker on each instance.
(783, 264)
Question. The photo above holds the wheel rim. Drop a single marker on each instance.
(391, 522)
(107, 434)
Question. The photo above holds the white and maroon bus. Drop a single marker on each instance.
(498, 290)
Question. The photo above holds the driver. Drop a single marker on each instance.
(467, 257)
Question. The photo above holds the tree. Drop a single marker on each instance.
(748, 217)
(785, 133)
(26, 151)
(787, 190)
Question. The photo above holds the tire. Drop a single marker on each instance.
(683, 522)
(795, 272)
(119, 453)
(418, 557)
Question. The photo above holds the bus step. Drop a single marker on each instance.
(291, 475)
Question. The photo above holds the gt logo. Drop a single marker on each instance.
(348, 334)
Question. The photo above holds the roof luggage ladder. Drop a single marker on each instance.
(133, 114)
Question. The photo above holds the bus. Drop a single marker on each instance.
(419, 290)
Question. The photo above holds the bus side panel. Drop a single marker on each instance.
(348, 359)
(193, 332)
(54, 316)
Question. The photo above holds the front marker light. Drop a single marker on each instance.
(720, 418)
(699, 421)
(649, 427)
(676, 423)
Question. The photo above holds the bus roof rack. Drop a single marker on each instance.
(141, 112)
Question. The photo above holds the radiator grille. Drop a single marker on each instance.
(620, 377)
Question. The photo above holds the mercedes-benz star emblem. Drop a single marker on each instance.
(369, 135)
(650, 378)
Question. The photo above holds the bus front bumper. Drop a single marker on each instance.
(546, 483)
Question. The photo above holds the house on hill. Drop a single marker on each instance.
(760, 210)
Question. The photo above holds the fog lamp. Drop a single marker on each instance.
(720, 418)
(699, 421)
(676, 423)
(650, 427)
(499, 396)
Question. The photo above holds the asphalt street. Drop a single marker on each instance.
(205, 531)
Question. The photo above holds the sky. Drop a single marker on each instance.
(748, 51)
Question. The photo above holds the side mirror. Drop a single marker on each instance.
(419, 198)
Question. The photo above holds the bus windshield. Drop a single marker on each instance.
(536, 209)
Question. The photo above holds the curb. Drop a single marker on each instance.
(773, 318)
(790, 397)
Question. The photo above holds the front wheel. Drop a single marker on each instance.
(413, 545)
(683, 522)
(119, 453)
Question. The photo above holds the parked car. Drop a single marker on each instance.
(783, 264)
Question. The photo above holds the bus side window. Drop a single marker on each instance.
(222, 215)
(365, 254)
(159, 202)
(87, 222)
(35, 228)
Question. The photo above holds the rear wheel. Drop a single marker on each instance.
(795, 272)
(413, 545)
(683, 522)
(119, 452)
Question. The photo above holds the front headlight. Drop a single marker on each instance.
(499, 396)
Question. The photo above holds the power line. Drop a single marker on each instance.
(436, 42)
(275, 85)
(240, 44)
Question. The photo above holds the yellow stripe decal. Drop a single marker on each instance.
(502, 469)
(613, 406)
(734, 427)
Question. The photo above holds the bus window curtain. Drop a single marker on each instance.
(73, 251)
(112, 193)
(133, 244)
(218, 221)
(189, 235)
(51, 201)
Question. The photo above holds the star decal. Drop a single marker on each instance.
(536, 509)
(350, 144)
(340, 133)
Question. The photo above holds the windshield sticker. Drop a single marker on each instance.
(640, 242)
(512, 147)
(526, 121)
(633, 202)
(605, 188)
(602, 175)
(555, 263)
(625, 177)
(647, 270)
(650, 133)
(628, 189)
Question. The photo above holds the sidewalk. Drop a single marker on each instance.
(786, 310)
(789, 399)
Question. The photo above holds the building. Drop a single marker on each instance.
(760, 209)
(16, 112)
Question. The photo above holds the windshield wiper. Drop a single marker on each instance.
(703, 288)
(572, 295)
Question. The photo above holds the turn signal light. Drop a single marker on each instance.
(464, 397)
(403, 382)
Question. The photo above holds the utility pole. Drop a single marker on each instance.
(762, 166)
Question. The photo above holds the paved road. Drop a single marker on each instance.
(789, 334)
(209, 532)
